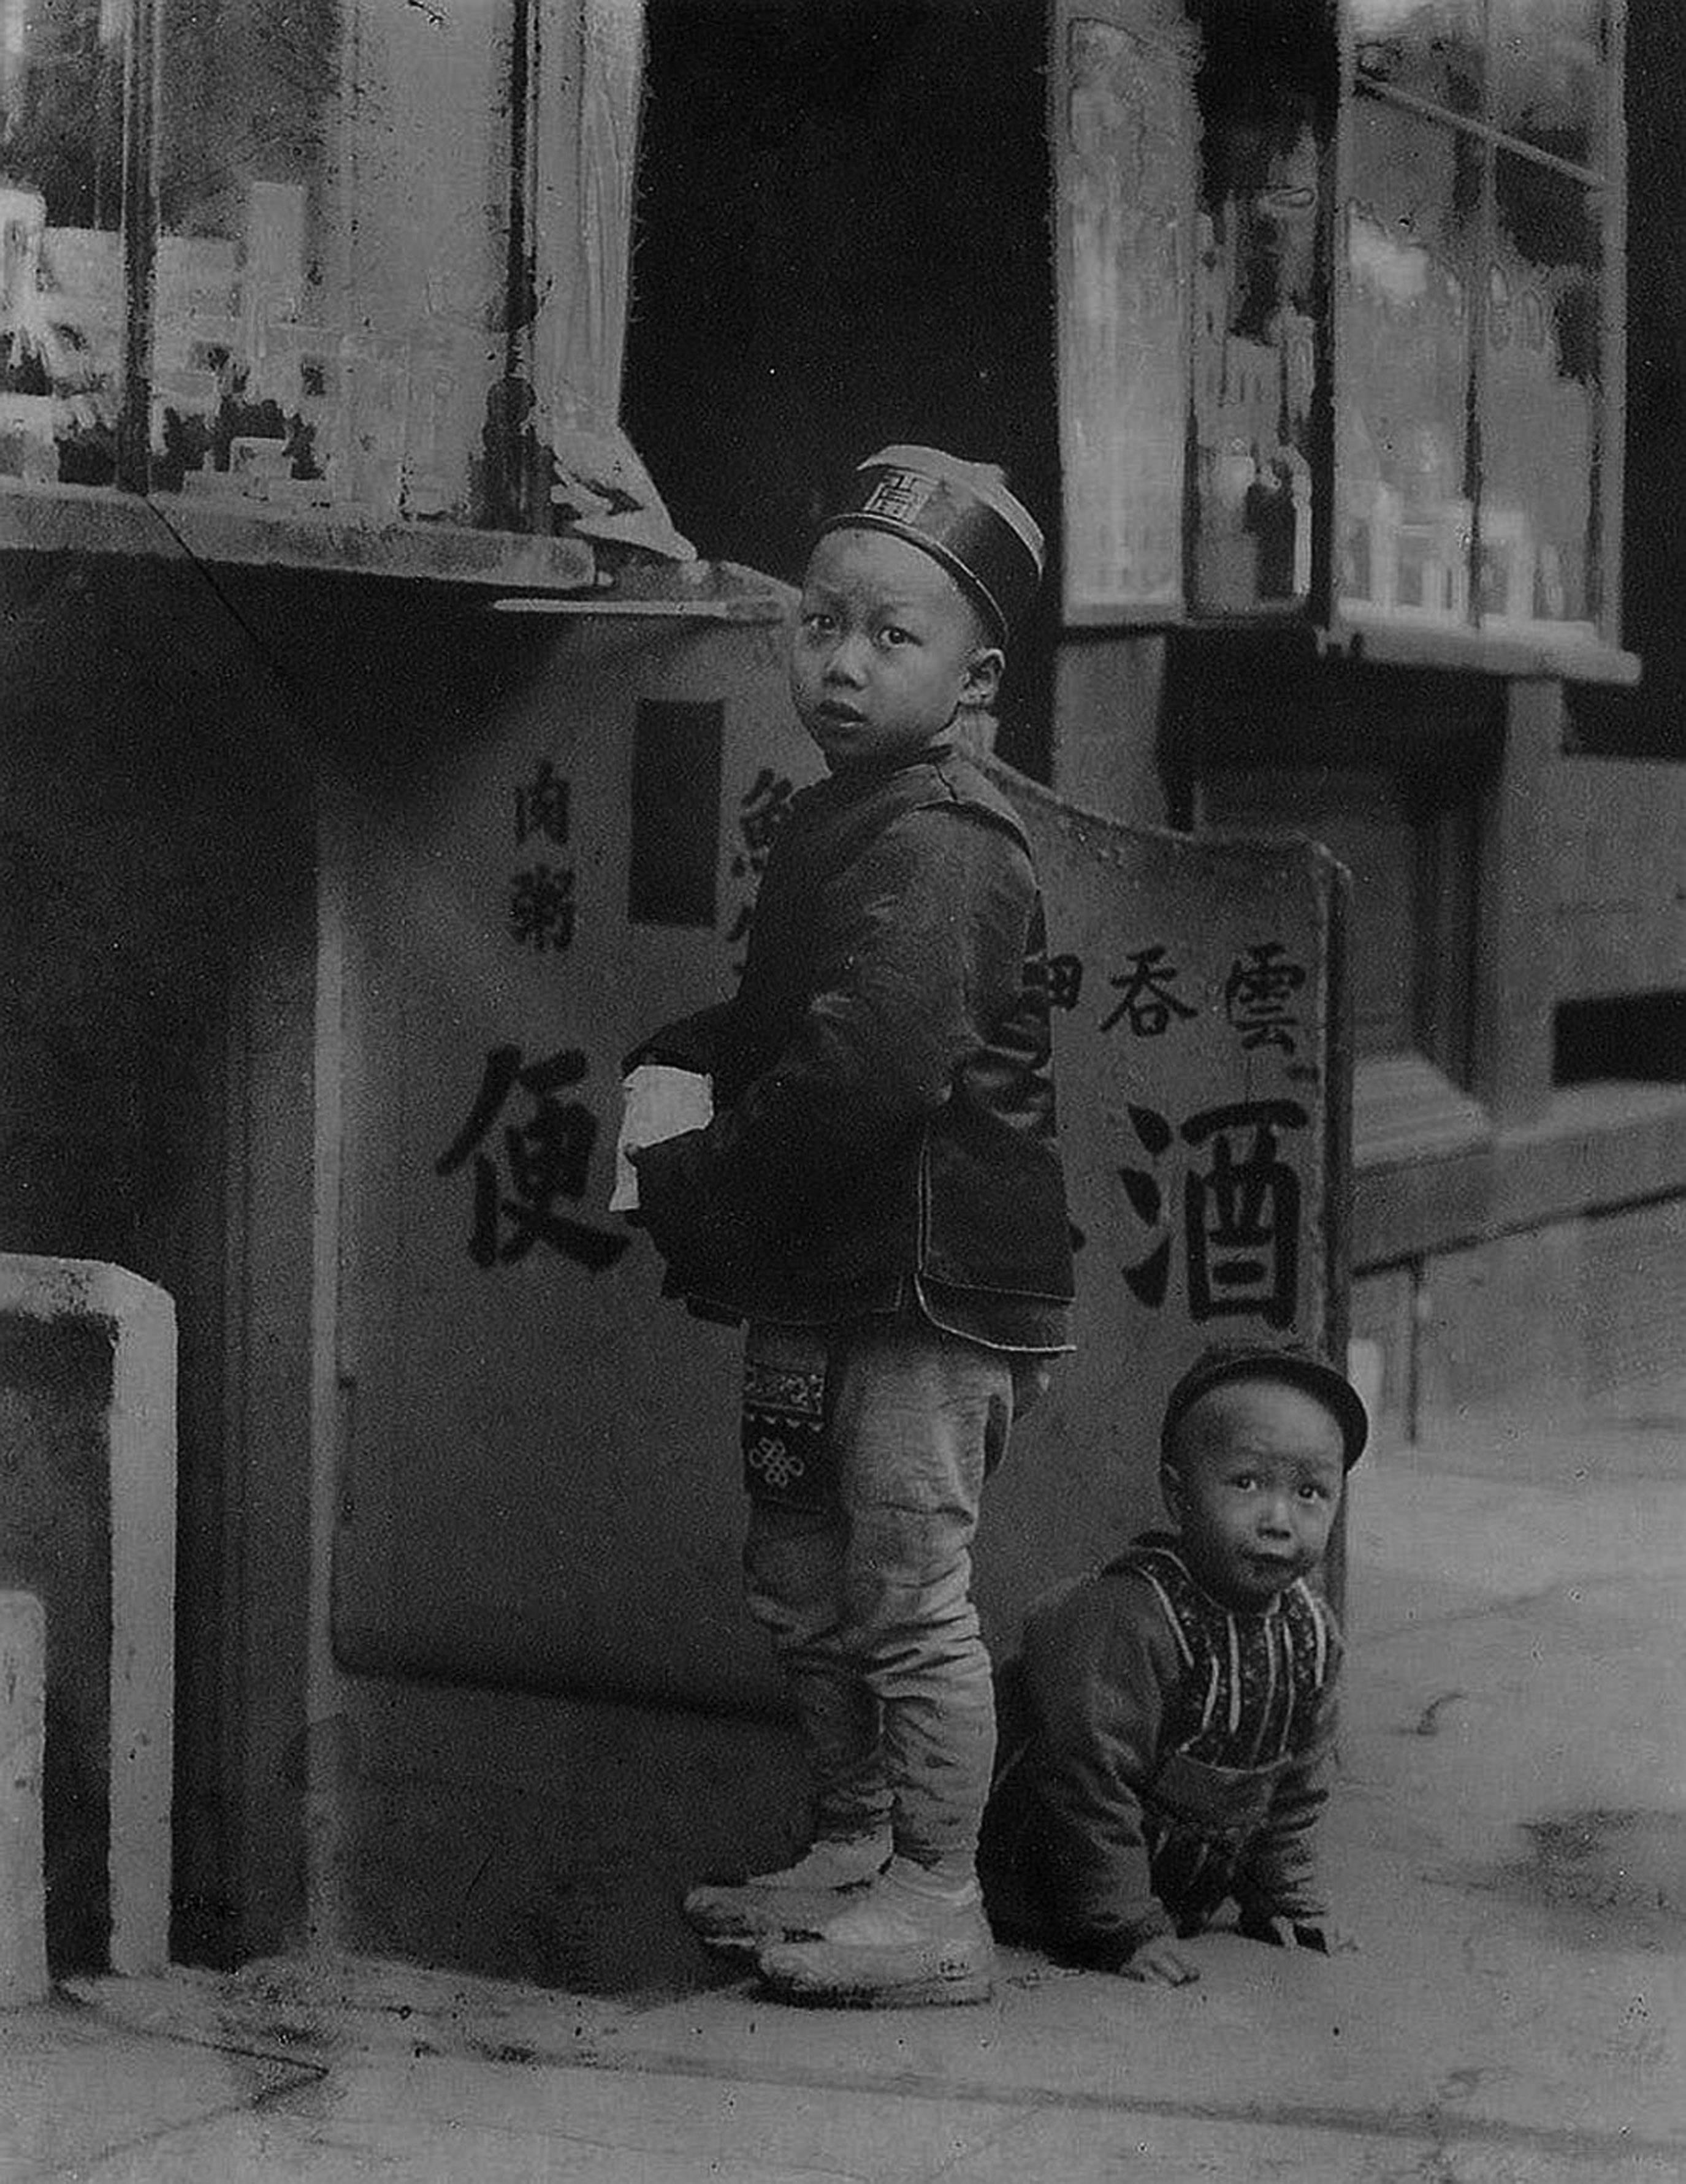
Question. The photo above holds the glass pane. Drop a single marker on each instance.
(246, 368)
(1402, 516)
(1430, 48)
(1254, 350)
(61, 255)
(1541, 403)
(1548, 75)
(333, 334)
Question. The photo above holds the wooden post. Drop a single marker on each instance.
(23, 1886)
(1514, 985)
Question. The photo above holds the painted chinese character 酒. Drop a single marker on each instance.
(1241, 1212)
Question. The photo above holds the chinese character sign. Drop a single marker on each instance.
(1147, 1005)
(763, 810)
(541, 807)
(1240, 1214)
(1261, 995)
(1193, 981)
(542, 908)
(1065, 982)
(1210, 1183)
(523, 1167)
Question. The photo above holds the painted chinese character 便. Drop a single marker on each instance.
(547, 1157)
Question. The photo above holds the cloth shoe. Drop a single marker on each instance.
(797, 1899)
(901, 1944)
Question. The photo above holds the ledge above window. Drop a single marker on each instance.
(1377, 641)
(104, 521)
(500, 571)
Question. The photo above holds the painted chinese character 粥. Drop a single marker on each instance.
(542, 907)
(547, 1157)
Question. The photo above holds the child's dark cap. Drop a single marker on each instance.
(1291, 1362)
(960, 514)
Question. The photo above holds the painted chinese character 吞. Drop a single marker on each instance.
(541, 806)
(1240, 1213)
(544, 1158)
(542, 907)
(1065, 981)
(1147, 1002)
(1257, 994)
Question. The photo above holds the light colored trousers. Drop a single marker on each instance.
(869, 1600)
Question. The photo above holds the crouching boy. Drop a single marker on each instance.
(1167, 1726)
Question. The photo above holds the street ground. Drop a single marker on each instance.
(1508, 1841)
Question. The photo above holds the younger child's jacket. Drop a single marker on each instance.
(884, 1129)
(1159, 1753)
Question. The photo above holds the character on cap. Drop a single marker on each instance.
(962, 515)
(878, 1195)
(1167, 1725)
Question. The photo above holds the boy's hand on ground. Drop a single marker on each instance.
(1320, 1935)
(1159, 1962)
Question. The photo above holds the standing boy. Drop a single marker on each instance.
(1168, 1722)
(879, 1197)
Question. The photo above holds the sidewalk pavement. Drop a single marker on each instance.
(1508, 1841)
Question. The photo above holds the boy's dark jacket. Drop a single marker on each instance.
(1159, 1752)
(884, 1096)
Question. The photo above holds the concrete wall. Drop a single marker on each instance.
(24, 1977)
(88, 1524)
(1549, 1320)
(55, 1383)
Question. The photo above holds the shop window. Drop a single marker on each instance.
(342, 272)
(1395, 409)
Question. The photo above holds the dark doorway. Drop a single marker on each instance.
(842, 241)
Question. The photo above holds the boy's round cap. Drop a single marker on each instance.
(960, 514)
(1262, 1361)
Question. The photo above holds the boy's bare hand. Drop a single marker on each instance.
(1160, 1962)
(1320, 1935)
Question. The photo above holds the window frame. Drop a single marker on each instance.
(1320, 619)
(567, 64)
